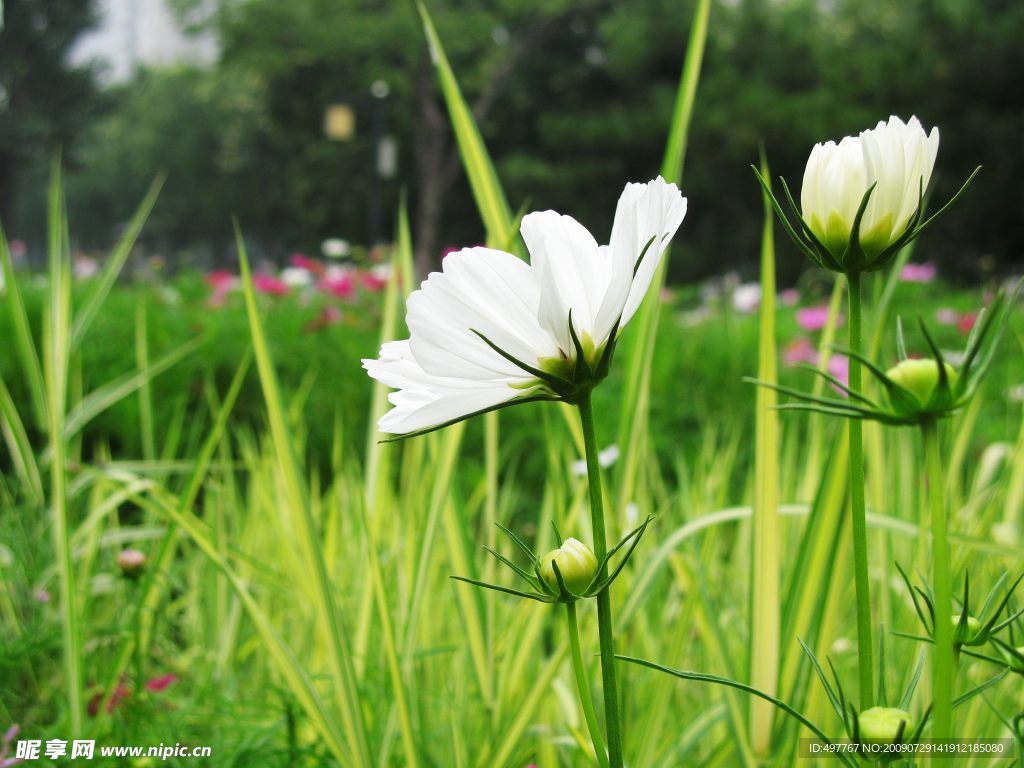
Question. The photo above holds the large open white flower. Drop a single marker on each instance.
(490, 329)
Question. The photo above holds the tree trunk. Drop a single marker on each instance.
(8, 185)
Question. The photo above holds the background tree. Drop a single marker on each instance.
(573, 99)
(43, 100)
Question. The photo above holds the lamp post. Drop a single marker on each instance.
(384, 157)
(340, 125)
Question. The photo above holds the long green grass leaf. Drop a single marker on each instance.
(343, 675)
(765, 561)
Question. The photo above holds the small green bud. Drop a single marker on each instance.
(920, 377)
(970, 630)
(576, 563)
(880, 725)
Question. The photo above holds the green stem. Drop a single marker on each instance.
(860, 527)
(583, 685)
(604, 604)
(943, 664)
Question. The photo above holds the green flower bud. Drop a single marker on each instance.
(880, 725)
(920, 377)
(969, 633)
(576, 563)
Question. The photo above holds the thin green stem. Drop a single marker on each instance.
(943, 663)
(604, 604)
(860, 526)
(583, 685)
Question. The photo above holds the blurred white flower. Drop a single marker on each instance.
(335, 248)
(296, 277)
(85, 267)
(747, 298)
(896, 157)
(491, 329)
(605, 459)
(1015, 394)
(632, 514)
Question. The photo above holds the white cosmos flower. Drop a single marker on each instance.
(896, 157)
(491, 329)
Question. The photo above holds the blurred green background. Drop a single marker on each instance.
(573, 99)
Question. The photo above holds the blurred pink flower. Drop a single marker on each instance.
(839, 366)
(798, 351)
(918, 273)
(947, 316)
(815, 318)
(159, 684)
(42, 596)
(338, 281)
(269, 284)
(5, 746)
(376, 278)
(221, 280)
(302, 261)
(966, 323)
(120, 693)
(789, 297)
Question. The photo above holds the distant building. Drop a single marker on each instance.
(143, 33)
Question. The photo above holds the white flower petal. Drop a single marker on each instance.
(483, 290)
(655, 209)
(573, 274)
(424, 400)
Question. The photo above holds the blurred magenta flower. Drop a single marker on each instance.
(302, 261)
(947, 316)
(120, 693)
(338, 281)
(221, 281)
(789, 297)
(918, 273)
(160, 684)
(798, 351)
(839, 366)
(815, 318)
(966, 322)
(269, 284)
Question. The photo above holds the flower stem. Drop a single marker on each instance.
(860, 527)
(943, 664)
(583, 685)
(604, 604)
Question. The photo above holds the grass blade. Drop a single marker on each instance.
(342, 672)
(765, 561)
